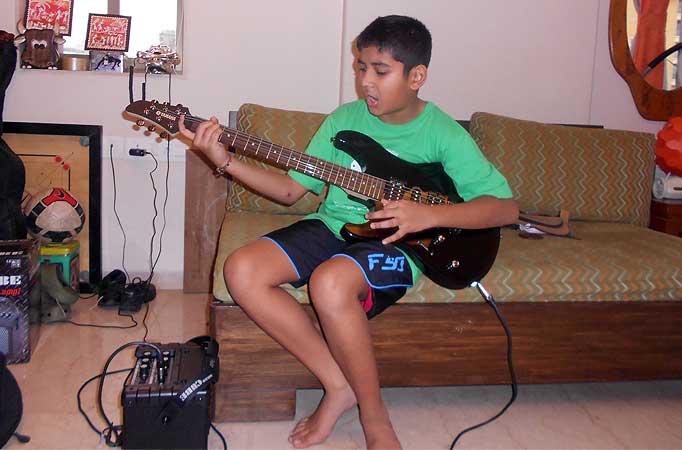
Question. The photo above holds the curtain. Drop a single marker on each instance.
(651, 37)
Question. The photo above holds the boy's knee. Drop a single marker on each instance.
(324, 280)
(335, 286)
(238, 269)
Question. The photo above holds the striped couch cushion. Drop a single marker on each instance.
(610, 261)
(291, 129)
(596, 174)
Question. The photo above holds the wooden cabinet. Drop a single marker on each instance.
(666, 216)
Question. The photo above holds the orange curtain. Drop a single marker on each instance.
(651, 38)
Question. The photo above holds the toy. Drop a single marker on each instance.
(41, 51)
(669, 147)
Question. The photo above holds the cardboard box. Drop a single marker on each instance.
(19, 298)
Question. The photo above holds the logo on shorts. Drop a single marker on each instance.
(387, 262)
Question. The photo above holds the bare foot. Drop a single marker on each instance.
(379, 433)
(319, 425)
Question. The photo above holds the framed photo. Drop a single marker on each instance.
(108, 32)
(106, 61)
(42, 14)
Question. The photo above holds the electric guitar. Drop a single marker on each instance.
(451, 257)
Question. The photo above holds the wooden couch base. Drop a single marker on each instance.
(459, 344)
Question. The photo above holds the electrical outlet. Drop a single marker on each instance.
(162, 152)
(123, 145)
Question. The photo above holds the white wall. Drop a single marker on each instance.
(234, 51)
(544, 60)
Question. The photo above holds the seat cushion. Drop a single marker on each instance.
(596, 174)
(608, 261)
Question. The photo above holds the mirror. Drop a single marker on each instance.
(653, 29)
(656, 85)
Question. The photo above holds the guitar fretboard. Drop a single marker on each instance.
(280, 156)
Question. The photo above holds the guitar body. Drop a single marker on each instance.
(453, 258)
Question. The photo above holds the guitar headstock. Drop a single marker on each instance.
(153, 114)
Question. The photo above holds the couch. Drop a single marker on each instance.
(604, 305)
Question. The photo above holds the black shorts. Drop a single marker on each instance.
(308, 243)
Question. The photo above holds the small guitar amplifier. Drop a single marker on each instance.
(168, 399)
(19, 299)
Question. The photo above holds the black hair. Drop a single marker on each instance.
(407, 39)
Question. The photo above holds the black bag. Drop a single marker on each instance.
(12, 171)
(11, 406)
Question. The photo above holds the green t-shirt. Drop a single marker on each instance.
(433, 136)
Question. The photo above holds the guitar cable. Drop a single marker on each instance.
(514, 386)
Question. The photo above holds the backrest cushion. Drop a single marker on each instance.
(596, 174)
(291, 129)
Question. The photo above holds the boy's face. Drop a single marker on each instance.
(389, 93)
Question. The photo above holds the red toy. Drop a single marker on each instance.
(669, 147)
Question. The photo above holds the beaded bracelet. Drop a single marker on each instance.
(221, 170)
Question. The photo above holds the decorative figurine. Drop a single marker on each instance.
(42, 47)
(158, 59)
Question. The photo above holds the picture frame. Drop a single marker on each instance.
(42, 14)
(106, 61)
(108, 32)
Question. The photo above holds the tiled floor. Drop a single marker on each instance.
(585, 416)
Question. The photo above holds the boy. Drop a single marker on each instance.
(345, 282)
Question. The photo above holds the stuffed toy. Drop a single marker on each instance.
(42, 47)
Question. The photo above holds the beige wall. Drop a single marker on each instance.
(544, 60)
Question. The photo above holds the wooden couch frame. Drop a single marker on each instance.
(428, 344)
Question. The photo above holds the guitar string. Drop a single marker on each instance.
(326, 172)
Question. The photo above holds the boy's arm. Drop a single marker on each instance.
(410, 217)
(276, 186)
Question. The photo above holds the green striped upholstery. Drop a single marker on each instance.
(291, 129)
(610, 261)
(596, 174)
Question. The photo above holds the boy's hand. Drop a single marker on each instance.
(407, 216)
(205, 138)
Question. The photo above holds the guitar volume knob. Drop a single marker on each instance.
(140, 123)
(452, 265)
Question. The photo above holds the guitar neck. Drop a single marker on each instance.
(276, 155)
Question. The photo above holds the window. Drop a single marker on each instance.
(154, 22)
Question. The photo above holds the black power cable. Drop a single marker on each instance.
(491, 301)
(220, 435)
(113, 174)
(112, 433)
(84, 385)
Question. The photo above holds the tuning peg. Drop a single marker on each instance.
(151, 127)
(163, 135)
(140, 123)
